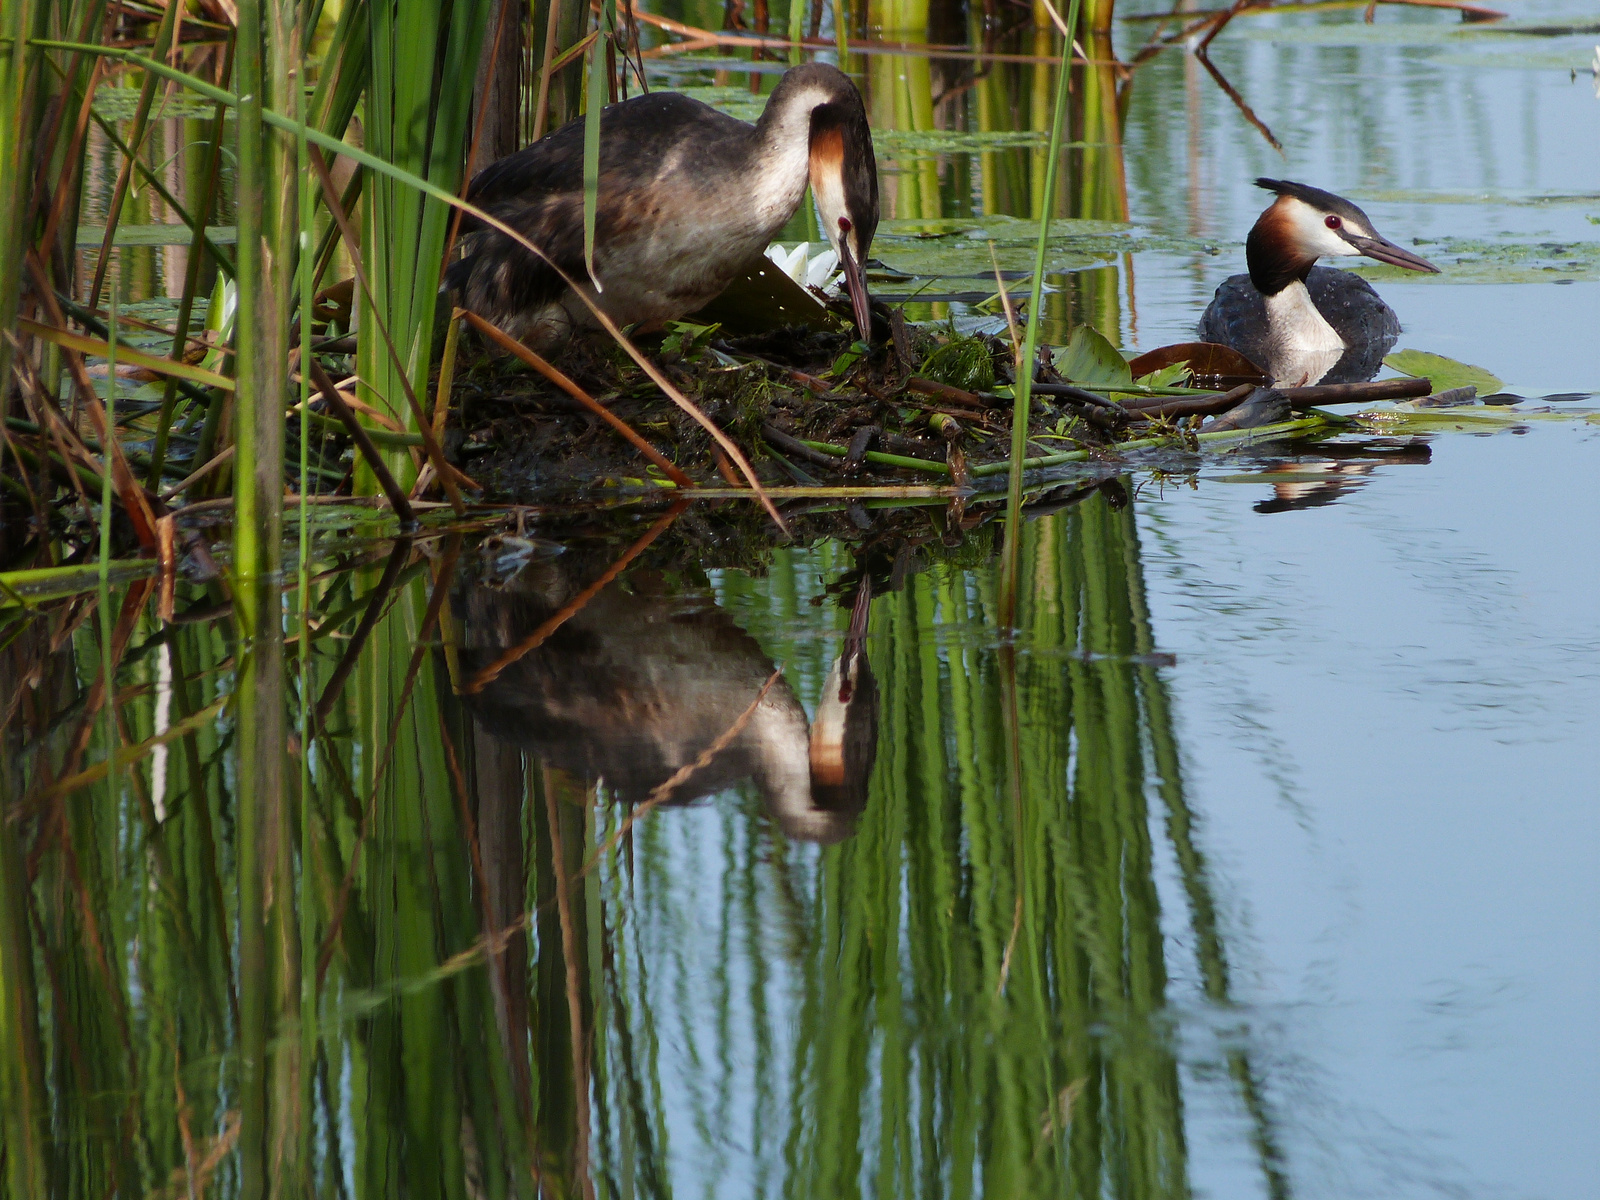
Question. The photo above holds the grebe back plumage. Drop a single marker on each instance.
(1300, 322)
(688, 198)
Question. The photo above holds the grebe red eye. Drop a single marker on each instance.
(844, 225)
(1333, 222)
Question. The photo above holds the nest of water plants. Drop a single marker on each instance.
(806, 407)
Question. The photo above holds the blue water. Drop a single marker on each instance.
(1387, 712)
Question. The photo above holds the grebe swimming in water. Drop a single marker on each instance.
(688, 199)
(1303, 323)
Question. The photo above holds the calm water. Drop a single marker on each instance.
(1261, 862)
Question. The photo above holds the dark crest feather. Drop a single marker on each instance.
(1316, 197)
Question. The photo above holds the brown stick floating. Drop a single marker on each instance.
(794, 446)
(1196, 406)
(943, 391)
(1357, 393)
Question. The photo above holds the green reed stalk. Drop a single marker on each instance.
(107, 674)
(267, 61)
(24, 1106)
(797, 30)
(1011, 552)
(250, 557)
(422, 62)
(303, 898)
(198, 246)
(598, 86)
(19, 121)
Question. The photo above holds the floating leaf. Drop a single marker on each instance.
(155, 235)
(1444, 373)
(1090, 358)
(1475, 260)
(762, 299)
(1171, 375)
(1219, 366)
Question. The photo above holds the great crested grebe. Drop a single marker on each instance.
(1300, 322)
(642, 683)
(688, 198)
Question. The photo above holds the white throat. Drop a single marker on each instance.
(1301, 346)
(784, 163)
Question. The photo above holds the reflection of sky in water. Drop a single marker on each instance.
(1385, 704)
(1386, 711)
(1384, 708)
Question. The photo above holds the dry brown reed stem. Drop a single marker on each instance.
(1005, 296)
(511, 346)
(449, 478)
(541, 112)
(195, 477)
(132, 601)
(66, 184)
(574, 606)
(131, 753)
(128, 490)
(945, 392)
(369, 621)
(1200, 18)
(36, 401)
(1188, 406)
(83, 344)
(358, 433)
(1232, 93)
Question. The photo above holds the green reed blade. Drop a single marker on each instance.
(1010, 558)
(598, 87)
(19, 121)
(191, 282)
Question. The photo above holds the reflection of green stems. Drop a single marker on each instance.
(1010, 558)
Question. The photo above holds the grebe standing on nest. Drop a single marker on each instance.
(688, 198)
(1303, 323)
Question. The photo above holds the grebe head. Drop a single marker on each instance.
(1305, 223)
(843, 170)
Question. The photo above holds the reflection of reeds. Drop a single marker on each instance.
(974, 984)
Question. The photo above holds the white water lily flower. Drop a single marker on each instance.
(798, 265)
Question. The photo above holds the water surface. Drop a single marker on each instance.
(1257, 861)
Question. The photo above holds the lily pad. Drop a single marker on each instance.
(916, 142)
(1090, 358)
(121, 103)
(155, 235)
(1478, 199)
(1473, 260)
(1444, 373)
(1218, 365)
(958, 248)
(761, 299)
